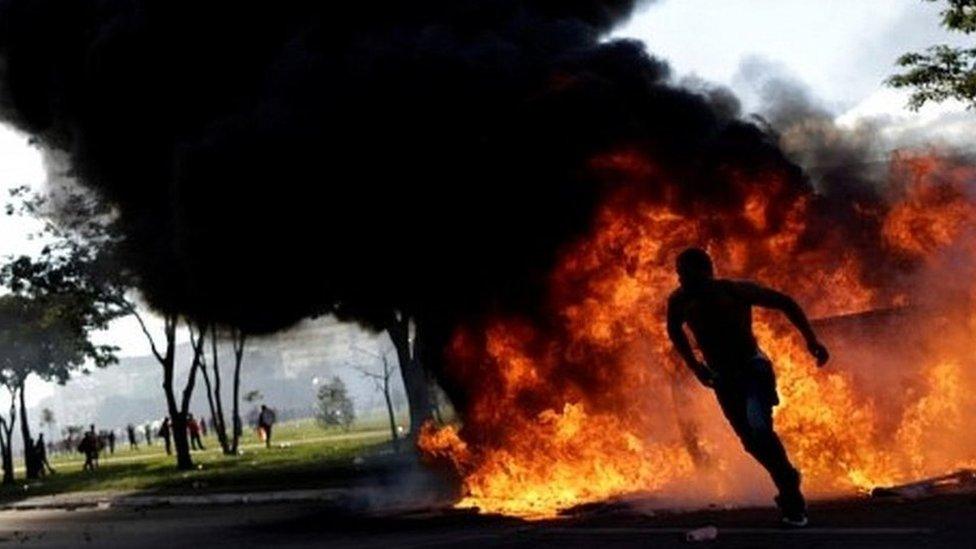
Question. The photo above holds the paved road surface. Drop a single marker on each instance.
(946, 521)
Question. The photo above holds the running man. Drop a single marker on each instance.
(719, 314)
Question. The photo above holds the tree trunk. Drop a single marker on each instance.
(210, 402)
(7, 456)
(389, 407)
(218, 418)
(30, 459)
(414, 377)
(239, 339)
(180, 435)
(8, 429)
(6, 445)
(177, 423)
(181, 442)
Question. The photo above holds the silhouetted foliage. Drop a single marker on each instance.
(942, 72)
(45, 331)
(335, 406)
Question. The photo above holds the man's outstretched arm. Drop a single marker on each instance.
(681, 344)
(772, 299)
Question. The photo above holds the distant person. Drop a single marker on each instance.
(166, 433)
(111, 441)
(99, 445)
(266, 420)
(40, 453)
(147, 431)
(130, 429)
(193, 427)
(89, 447)
(203, 426)
(719, 315)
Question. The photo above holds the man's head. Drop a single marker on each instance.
(694, 268)
(263, 407)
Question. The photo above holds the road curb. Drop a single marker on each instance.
(128, 500)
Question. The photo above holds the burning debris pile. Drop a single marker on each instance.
(519, 186)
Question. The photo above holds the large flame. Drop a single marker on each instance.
(595, 405)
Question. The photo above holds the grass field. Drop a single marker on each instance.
(303, 455)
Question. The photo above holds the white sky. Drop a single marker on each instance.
(842, 49)
(23, 164)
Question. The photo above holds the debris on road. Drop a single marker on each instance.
(962, 481)
(707, 533)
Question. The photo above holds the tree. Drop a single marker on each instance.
(381, 380)
(942, 72)
(238, 339)
(216, 408)
(6, 433)
(407, 339)
(228, 444)
(83, 259)
(45, 328)
(335, 407)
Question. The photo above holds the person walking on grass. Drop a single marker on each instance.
(89, 446)
(266, 420)
(719, 315)
(40, 452)
(130, 430)
(193, 427)
(165, 432)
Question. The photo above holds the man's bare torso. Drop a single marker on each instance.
(720, 317)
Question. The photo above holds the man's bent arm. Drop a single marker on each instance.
(679, 338)
(771, 299)
(766, 297)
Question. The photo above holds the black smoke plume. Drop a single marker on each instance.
(275, 160)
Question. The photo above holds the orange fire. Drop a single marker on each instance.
(595, 406)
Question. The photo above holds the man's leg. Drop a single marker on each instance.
(768, 449)
(267, 436)
(752, 419)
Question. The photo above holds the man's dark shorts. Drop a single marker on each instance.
(747, 395)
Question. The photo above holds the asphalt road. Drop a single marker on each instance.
(945, 521)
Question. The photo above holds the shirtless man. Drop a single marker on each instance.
(719, 314)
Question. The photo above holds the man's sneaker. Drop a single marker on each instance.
(793, 510)
(795, 521)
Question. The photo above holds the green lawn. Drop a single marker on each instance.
(303, 455)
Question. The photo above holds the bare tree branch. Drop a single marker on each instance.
(145, 330)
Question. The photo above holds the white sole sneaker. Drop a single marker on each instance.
(796, 522)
